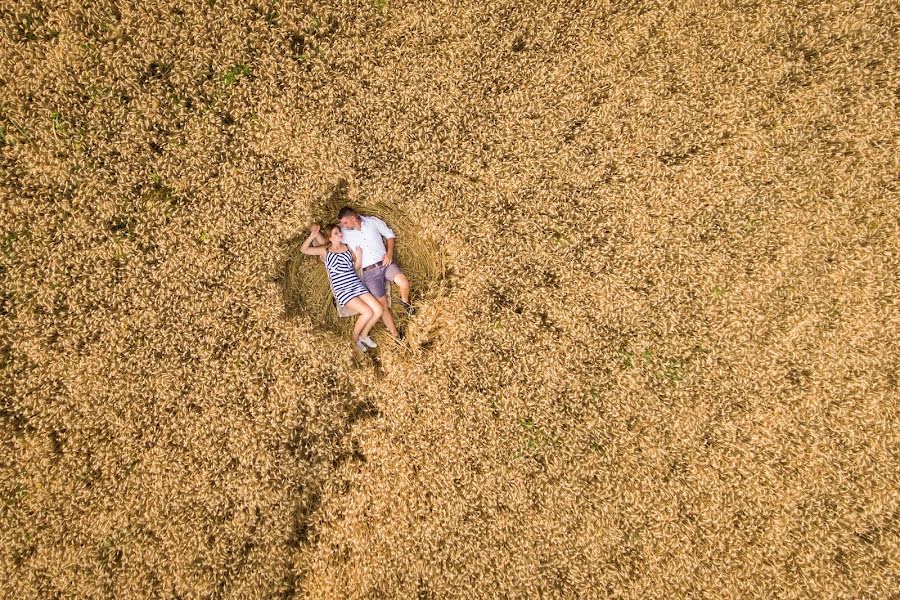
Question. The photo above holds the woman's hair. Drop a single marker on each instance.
(326, 232)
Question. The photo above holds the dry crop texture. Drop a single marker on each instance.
(662, 361)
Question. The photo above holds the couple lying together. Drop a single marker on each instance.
(355, 244)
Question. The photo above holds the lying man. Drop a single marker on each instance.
(378, 266)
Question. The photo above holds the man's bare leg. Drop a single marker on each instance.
(403, 283)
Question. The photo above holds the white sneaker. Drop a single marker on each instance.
(368, 341)
(360, 346)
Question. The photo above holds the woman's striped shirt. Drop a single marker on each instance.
(345, 283)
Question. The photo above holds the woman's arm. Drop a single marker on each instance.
(308, 248)
(357, 257)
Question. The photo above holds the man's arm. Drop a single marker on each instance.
(389, 257)
(388, 234)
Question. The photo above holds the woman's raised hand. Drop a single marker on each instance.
(307, 246)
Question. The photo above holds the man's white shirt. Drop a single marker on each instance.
(368, 237)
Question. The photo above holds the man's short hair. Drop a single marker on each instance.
(346, 212)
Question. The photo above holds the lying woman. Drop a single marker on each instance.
(346, 286)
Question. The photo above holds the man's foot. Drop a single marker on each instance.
(368, 341)
(408, 308)
(360, 346)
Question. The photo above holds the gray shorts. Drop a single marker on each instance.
(376, 276)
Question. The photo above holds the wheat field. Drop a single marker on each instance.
(655, 250)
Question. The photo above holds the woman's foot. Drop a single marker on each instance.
(360, 346)
(368, 341)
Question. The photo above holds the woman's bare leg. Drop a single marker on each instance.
(376, 310)
(365, 316)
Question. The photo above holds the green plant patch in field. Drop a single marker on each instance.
(8, 242)
(674, 370)
(56, 118)
(236, 72)
(536, 437)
